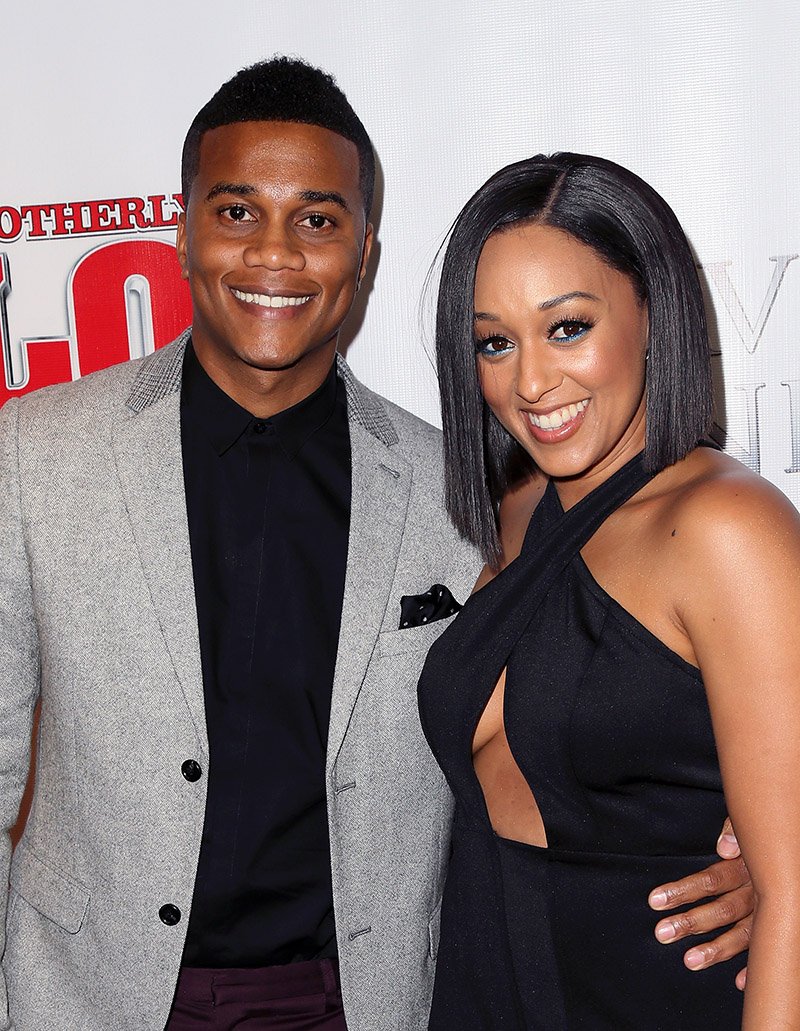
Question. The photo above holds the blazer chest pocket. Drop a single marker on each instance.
(50, 893)
(412, 639)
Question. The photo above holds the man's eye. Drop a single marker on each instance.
(238, 213)
(569, 329)
(494, 345)
(317, 221)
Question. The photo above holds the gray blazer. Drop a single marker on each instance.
(97, 615)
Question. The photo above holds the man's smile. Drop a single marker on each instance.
(271, 300)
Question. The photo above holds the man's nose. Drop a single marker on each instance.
(274, 247)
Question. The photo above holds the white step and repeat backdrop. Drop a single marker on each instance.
(700, 97)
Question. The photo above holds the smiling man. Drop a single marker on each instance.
(274, 243)
(223, 567)
(209, 553)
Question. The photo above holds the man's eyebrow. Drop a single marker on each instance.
(321, 196)
(238, 189)
(248, 190)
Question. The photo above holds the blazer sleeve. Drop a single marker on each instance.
(19, 658)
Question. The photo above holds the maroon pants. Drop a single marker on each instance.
(296, 997)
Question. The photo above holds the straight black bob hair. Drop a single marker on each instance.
(635, 231)
(283, 89)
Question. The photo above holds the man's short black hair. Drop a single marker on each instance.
(283, 89)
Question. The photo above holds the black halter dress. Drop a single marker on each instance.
(611, 731)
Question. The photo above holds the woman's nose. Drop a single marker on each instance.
(537, 372)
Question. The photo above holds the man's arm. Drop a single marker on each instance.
(19, 658)
(727, 896)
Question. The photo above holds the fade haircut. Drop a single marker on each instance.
(282, 89)
(633, 230)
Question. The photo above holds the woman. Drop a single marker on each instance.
(585, 700)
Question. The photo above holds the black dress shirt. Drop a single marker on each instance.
(268, 504)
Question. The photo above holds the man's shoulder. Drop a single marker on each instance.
(411, 429)
(112, 383)
(419, 444)
(91, 399)
(399, 428)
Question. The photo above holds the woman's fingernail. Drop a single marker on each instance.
(658, 899)
(665, 932)
(694, 959)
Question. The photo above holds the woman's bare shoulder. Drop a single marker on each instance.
(710, 487)
(715, 508)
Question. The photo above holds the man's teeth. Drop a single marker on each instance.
(270, 302)
(553, 420)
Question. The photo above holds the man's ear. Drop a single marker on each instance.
(366, 250)
(180, 245)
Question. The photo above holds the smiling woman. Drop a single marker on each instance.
(604, 699)
(561, 345)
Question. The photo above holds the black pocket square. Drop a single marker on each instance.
(435, 603)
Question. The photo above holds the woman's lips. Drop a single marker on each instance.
(555, 426)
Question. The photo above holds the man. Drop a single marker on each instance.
(207, 554)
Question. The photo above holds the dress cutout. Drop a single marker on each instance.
(611, 731)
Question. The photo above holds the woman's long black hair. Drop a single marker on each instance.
(635, 231)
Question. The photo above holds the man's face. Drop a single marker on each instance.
(273, 244)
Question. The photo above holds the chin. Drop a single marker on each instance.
(270, 362)
(271, 358)
(559, 462)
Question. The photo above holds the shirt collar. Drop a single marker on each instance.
(224, 421)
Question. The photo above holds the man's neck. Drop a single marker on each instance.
(266, 392)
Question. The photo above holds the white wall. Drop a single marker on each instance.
(697, 96)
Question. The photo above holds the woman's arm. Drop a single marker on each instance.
(739, 557)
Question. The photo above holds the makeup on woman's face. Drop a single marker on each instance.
(561, 338)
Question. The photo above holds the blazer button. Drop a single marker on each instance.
(169, 915)
(191, 770)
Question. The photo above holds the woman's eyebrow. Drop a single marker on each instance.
(555, 301)
(552, 302)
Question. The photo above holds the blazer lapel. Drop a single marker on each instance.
(147, 448)
(381, 486)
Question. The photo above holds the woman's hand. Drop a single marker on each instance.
(727, 886)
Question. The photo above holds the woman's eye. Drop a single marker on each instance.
(238, 213)
(317, 221)
(490, 346)
(569, 329)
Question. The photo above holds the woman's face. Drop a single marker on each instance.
(561, 351)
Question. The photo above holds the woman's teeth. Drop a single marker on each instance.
(553, 420)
